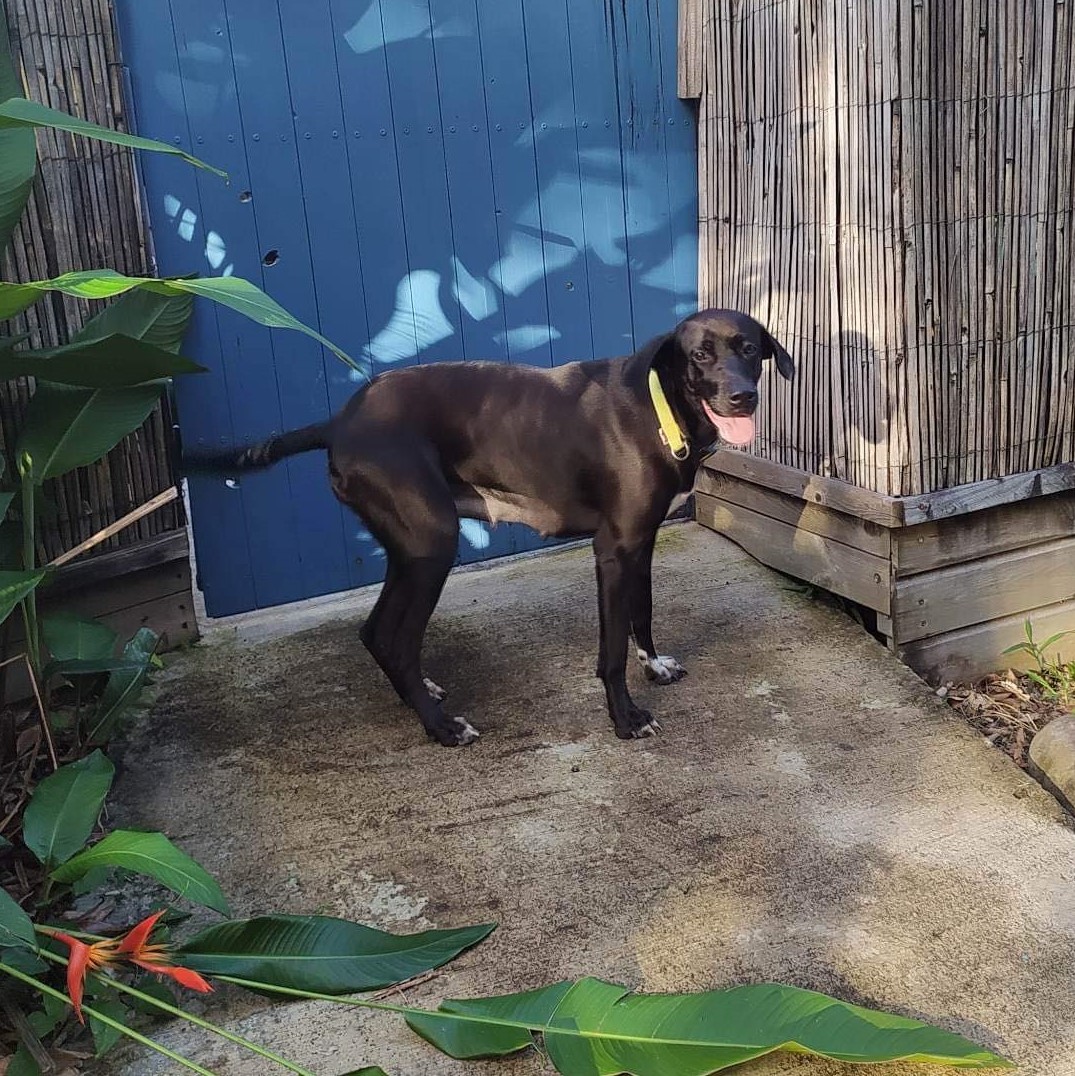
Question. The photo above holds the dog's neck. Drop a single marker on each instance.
(699, 431)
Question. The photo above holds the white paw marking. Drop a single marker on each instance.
(435, 690)
(663, 669)
(468, 733)
(651, 728)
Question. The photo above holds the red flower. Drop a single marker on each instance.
(132, 947)
(84, 958)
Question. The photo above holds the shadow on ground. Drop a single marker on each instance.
(811, 814)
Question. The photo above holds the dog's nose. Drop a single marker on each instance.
(743, 400)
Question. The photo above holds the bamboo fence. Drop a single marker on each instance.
(888, 185)
(85, 212)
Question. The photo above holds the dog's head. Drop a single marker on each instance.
(716, 358)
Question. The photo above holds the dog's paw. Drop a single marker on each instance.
(435, 690)
(637, 725)
(453, 732)
(661, 670)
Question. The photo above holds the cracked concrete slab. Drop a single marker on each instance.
(811, 813)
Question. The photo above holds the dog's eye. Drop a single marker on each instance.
(748, 350)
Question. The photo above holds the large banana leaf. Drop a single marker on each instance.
(68, 427)
(594, 1028)
(230, 291)
(160, 320)
(18, 150)
(19, 114)
(153, 855)
(322, 954)
(63, 810)
(115, 361)
(124, 687)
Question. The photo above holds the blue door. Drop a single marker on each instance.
(421, 180)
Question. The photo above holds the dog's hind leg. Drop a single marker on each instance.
(658, 667)
(410, 510)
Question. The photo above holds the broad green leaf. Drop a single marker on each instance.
(124, 687)
(18, 150)
(63, 810)
(14, 586)
(161, 320)
(323, 954)
(18, 113)
(22, 1064)
(105, 1036)
(153, 855)
(600, 1029)
(26, 960)
(88, 666)
(16, 929)
(229, 291)
(114, 361)
(71, 637)
(46, 1019)
(67, 428)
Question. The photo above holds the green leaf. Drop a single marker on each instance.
(125, 685)
(18, 113)
(16, 929)
(87, 666)
(6, 497)
(599, 1028)
(22, 1064)
(114, 361)
(155, 988)
(46, 1019)
(14, 586)
(71, 637)
(153, 855)
(230, 291)
(67, 428)
(372, 1070)
(91, 880)
(25, 960)
(160, 320)
(104, 1036)
(63, 809)
(323, 954)
(18, 150)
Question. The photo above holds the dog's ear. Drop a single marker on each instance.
(784, 362)
(663, 351)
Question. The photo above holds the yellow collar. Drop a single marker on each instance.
(671, 434)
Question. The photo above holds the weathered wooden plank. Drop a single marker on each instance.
(993, 491)
(831, 492)
(969, 654)
(689, 67)
(939, 544)
(846, 571)
(933, 603)
(804, 515)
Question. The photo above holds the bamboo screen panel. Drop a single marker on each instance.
(84, 213)
(887, 184)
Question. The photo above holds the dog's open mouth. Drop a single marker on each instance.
(735, 429)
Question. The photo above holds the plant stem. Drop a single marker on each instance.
(190, 1017)
(122, 1028)
(29, 563)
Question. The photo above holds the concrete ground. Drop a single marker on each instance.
(811, 813)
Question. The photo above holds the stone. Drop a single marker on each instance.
(1052, 758)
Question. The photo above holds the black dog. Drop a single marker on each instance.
(599, 449)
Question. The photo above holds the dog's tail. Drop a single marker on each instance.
(260, 456)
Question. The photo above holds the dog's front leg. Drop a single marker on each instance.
(660, 668)
(616, 567)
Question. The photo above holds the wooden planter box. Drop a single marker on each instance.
(952, 576)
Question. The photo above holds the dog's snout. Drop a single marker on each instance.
(745, 400)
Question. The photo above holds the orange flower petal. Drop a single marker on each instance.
(184, 976)
(133, 941)
(78, 964)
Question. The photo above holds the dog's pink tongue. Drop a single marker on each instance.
(735, 429)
